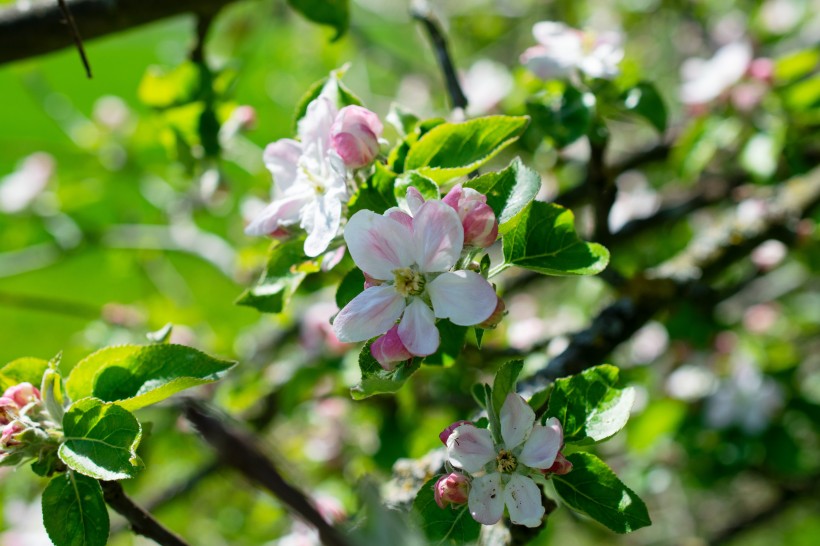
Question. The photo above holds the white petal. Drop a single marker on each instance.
(282, 212)
(417, 329)
(371, 313)
(378, 245)
(541, 447)
(464, 297)
(470, 447)
(486, 500)
(324, 224)
(517, 419)
(282, 160)
(523, 500)
(438, 236)
(314, 128)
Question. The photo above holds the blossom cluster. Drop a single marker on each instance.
(24, 421)
(562, 52)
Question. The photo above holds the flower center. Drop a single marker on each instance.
(409, 282)
(505, 462)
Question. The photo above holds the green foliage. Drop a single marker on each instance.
(451, 343)
(542, 238)
(562, 115)
(427, 188)
(507, 191)
(101, 440)
(287, 267)
(346, 96)
(136, 376)
(333, 13)
(593, 489)
(452, 525)
(398, 155)
(377, 380)
(504, 382)
(74, 511)
(645, 101)
(451, 150)
(589, 406)
(22, 370)
(377, 193)
(351, 286)
(165, 88)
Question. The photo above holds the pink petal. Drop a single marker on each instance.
(517, 419)
(378, 245)
(464, 297)
(541, 447)
(414, 199)
(371, 313)
(470, 448)
(395, 213)
(417, 329)
(282, 212)
(282, 160)
(438, 237)
(486, 500)
(523, 500)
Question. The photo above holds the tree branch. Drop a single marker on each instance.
(142, 523)
(75, 35)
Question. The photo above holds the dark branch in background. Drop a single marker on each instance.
(41, 28)
(75, 34)
(445, 61)
(238, 450)
(601, 185)
(50, 305)
(142, 523)
(203, 24)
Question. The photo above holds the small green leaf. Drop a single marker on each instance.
(23, 370)
(427, 188)
(51, 389)
(589, 406)
(760, 155)
(101, 440)
(344, 95)
(504, 382)
(403, 120)
(507, 191)
(398, 155)
(593, 489)
(377, 380)
(281, 278)
(645, 101)
(164, 88)
(542, 238)
(452, 341)
(492, 414)
(796, 64)
(451, 150)
(539, 399)
(564, 116)
(377, 193)
(479, 394)
(451, 525)
(136, 376)
(333, 13)
(351, 286)
(74, 512)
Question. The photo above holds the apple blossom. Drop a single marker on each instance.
(706, 80)
(22, 394)
(453, 488)
(413, 257)
(389, 350)
(563, 50)
(477, 218)
(355, 136)
(444, 434)
(502, 471)
(8, 410)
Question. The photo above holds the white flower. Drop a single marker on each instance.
(706, 80)
(501, 472)
(563, 49)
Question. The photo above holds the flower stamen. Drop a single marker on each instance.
(506, 462)
(409, 282)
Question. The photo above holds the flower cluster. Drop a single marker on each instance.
(24, 422)
(563, 51)
(491, 475)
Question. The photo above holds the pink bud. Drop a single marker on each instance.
(498, 314)
(9, 431)
(451, 489)
(8, 410)
(560, 467)
(761, 69)
(355, 136)
(444, 434)
(370, 281)
(245, 116)
(477, 218)
(389, 349)
(23, 394)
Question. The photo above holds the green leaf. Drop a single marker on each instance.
(136, 376)
(377, 380)
(351, 286)
(564, 116)
(593, 489)
(344, 95)
(542, 238)
(74, 512)
(451, 525)
(427, 188)
(101, 440)
(282, 276)
(451, 150)
(452, 341)
(504, 382)
(507, 191)
(645, 101)
(479, 394)
(377, 193)
(51, 390)
(164, 88)
(23, 370)
(589, 406)
(797, 64)
(398, 155)
(333, 13)
(539, 399)
(760, 155)
(403, 120)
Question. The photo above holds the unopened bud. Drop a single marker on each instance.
(477, 218)
(370, 281)
(761, 69)
(444, 434)
(498, 314)
(23, 394)
(560, 467)
(9, 435)
(8, 410)
(389, 350)
(451, 489)
(355, 136)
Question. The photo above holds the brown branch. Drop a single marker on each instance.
(445, 60)
(142, 523)
(75, 35)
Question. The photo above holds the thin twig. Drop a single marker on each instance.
(445, 61)
(75, 34)
(203, 24)
(50, 305)
(142, 523)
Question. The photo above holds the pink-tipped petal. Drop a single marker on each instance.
(378, 245)
(371, 313)
(355, 136)
(453, 488)
(438, 237)
(414, 200)
(523, 500)
(486, 499)
(417, 329)
(470, 447)
(445, 434)
(282, 160)
(464, 297)
(395, 213)
(517, 418)
(541, 447)
(480, 225)
(281, 213)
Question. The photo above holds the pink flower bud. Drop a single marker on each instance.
(246, 117)
(8, 410)
(355, 136)
(560, 467)
(761, 69)
(389, 349)
(477, 218)
(498, 314)
(451, 489)
(22, 394)
(9, 432)
(370, 281)
(444, 434)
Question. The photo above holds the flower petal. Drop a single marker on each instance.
(378, 245)
(282, 212)
(523, 500)
(371, 313)
(517, 419)
(438, 236)
(314, 127)
(282, 160)
(417, 329)
(470, 447)
(541, 447)
(321, 221)
(486, 500)
(464, 297)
